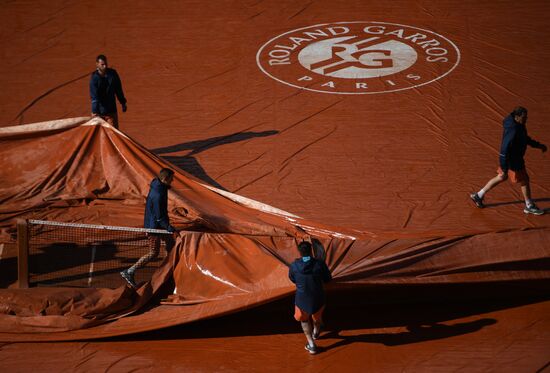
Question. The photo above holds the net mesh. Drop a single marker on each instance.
(83, 255)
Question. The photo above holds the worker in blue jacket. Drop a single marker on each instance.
(511, 163)
(309, 274)
(105, 85)
(156, 217)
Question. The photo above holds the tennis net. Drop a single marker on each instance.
(84, 255)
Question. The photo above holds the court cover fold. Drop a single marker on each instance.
(232, 252)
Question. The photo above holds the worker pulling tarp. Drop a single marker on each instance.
(231, 253)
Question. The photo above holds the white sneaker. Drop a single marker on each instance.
(533, 209)
(129, 277)
(312, 349)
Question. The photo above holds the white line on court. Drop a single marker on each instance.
(90, 274)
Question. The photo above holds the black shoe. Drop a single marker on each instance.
(533, 209)
(129, 277)
(477, 200)
(311, 349)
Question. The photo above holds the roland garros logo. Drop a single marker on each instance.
(358, 57)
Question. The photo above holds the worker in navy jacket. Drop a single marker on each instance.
(156, 217)
(511, 163)
(309, 274)
(156, 205)
(105, 86)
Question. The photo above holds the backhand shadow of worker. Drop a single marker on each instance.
(190, 164)
(417, 332)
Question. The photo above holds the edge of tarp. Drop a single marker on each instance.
(50, 125)
(159, 317)
(60, 124)
(251, 203)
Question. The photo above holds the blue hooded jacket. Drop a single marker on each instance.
(309, 277)
(514, 144)
(156, 207)
(103, 90)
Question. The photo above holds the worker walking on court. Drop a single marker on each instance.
(156, 217)
(309, 274)
(105, 85)
(512, 150)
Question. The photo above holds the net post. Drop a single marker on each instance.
(22, 254)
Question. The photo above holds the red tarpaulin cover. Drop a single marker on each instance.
(281, 102)
(98, 174)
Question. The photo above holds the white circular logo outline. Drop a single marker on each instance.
(356, 93)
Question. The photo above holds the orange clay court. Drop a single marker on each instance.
(363, 124)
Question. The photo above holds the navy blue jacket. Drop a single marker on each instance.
(103, 90)
(156, 207)
(514, 144)
(309, 278)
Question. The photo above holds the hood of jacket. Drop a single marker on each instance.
(305, 267)
(509, 122)
(158, 186)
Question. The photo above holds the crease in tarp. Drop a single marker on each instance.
(240, 258)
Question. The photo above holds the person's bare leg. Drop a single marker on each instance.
(144, 260)
(478, 197)
(491, 184)
(526, 190)
(154, 249)
(306, 327)
(530, 207)
(317, 327)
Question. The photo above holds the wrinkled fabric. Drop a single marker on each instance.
(231, 254)
(399, 165)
